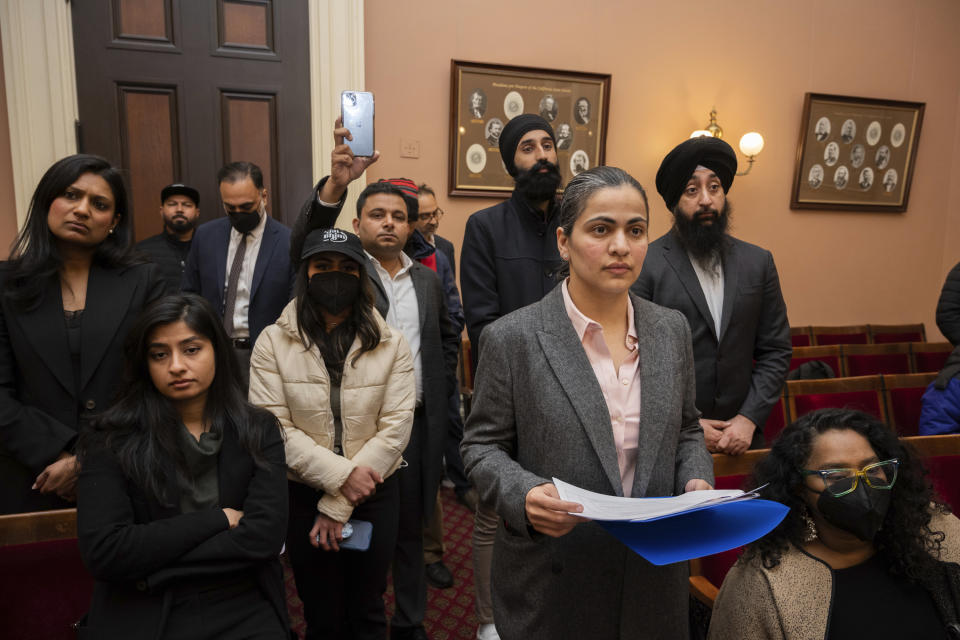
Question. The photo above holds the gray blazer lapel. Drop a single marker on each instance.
(678, 260)
(653, 352)
(570, 364)
(731, 277)
(380, 300)
(420, 285)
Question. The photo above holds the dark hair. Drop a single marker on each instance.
(905, 539)
(335, 345)
(34, 258)
(579, 191)
(425, 188)
(239, 171)
(382, 187)
(140, 428)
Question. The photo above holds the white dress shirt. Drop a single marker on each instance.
(404, 312)
(241, 308)
(710, 276)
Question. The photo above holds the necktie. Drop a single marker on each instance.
(231, 297)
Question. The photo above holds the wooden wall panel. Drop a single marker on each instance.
(142, 20)
(151, 152)
(245, 24)
(250, 134)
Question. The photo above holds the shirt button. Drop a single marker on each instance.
(90, 404)
(625, 382)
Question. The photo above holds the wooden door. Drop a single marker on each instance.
(170, 90)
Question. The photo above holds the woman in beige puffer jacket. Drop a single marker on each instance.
(341, 383)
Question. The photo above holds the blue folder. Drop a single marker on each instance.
(700, 532)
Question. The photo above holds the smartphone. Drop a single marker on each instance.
(356, 109)
(359, 539)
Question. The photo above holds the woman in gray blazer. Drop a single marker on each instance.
(576, 388)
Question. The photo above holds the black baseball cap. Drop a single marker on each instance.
(178, 189)
(337, 240)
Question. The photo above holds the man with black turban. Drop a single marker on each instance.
(509, 260)
(729, 291)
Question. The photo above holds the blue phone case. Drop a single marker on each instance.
(360, 539)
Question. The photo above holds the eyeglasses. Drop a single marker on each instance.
(840, 482)
(431, 215)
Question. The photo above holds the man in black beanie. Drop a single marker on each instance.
(729, 291)
(509, 259)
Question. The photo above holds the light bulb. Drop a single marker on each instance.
(701, 132)
(751, 144)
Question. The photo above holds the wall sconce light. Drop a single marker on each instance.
(751, 144)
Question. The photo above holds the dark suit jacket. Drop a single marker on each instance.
(538, 413)
(138, 549)
(206, 270)
(41, 407)
(445, 247)
(439, 340)
(743, 369)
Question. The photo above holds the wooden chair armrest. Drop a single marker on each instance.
(703, 590)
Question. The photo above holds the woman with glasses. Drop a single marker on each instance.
(865, 550)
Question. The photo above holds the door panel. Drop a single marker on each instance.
(170, 90)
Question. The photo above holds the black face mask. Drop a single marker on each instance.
(536, 186)
(244, 221)
(860, 512)
(333, 291)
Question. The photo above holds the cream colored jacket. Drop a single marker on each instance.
(377, 399)
(792, 600)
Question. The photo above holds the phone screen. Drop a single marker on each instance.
(356, 108)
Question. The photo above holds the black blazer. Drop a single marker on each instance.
(138, 549)
(206, 270)
(743, 369)
(41, 408)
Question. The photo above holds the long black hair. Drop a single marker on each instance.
(34, 258)
(905, 539)
(140, 428)
(335, 345)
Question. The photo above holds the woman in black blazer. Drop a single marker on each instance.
(182, 500)
(68, 295)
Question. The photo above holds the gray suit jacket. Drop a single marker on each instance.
(439, 344)
(538, 412)
(743, 369)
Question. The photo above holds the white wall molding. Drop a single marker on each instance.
(38, 65)
(336, 64)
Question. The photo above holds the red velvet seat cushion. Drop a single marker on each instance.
(905, 409)
(775, 422)
(871, 364)
(44, 589)
(945, 475)
(910, 336)
(841, 338)
(800, 340)
(867, 401)
(930, 360)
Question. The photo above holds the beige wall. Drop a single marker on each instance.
(671, 62)
(8, 206)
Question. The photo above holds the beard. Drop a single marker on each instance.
(536, 186)
(703, 241)
(180, 224)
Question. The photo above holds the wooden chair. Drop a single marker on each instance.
(851, 334)
(885, 333)
(831, 354)
(930, 356)
(707, 573)
(801, 337)
(941, 457)
(864, 393)
(870, 359)
(44, 587)
(903, 395)
(465, 373)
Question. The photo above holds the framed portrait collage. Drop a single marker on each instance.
(856, 154)
(485, 97)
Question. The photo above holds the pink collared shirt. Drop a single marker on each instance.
(621, 389)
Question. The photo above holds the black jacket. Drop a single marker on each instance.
(948, 307)
(138, 550)
(169, 254)
(509, 260)
(41, 408)
(445, 247)
(743, 369)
